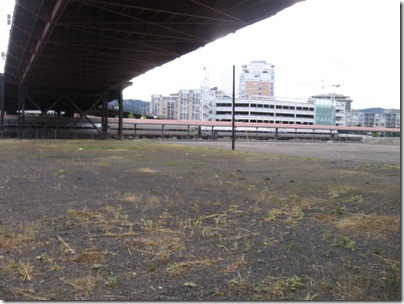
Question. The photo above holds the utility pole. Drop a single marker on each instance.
(233, 133)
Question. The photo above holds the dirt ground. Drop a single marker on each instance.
(155, 220)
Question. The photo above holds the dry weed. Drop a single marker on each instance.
(13, 241)
(131, 198)
(146, 170)
(179, 268)
(25, 270)
(374, 223)
(91, 257)
(84, 284)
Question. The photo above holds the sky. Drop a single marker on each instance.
(314, 45)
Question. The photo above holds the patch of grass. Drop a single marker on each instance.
(173, 268)
(233, 208)
(233, 282)
(269, 242)
(355, 198)
(347, 243)
(340, 210)
(292, 214)
(160, 246)
(296, 212)
(147, 224)
(293, 198)
(284, 288)
(382, 166)
(111, 282)
(190, 284)
(153, 199)
(294, 283)
(337, 192)
(273, 214)
(293, 247)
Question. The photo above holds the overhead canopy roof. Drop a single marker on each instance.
(97, 45)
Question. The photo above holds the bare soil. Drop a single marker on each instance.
(149, 220)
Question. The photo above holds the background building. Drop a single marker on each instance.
(264, 109)
(346, 100)
(338, 103)
(163, 106)
(281, 110)
(184, 105)
(256, 103)
(257, 79)
(387, 118)
(188, 105)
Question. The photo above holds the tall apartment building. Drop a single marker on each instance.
(392, 118)
(163, 106)
(257, 79)
(184, 105)
(188, 105)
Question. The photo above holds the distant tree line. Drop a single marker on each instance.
(134, 106)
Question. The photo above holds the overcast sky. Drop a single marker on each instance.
(313, 44)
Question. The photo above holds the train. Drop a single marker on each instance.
(73, 127)
(222, 133)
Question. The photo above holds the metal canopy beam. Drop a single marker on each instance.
(49, 27)
(82, 46)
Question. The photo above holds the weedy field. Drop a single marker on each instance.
(143, 220)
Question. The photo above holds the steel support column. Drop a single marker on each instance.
(22, 93)
(1, 105)
(120, 119)
(104, 115)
